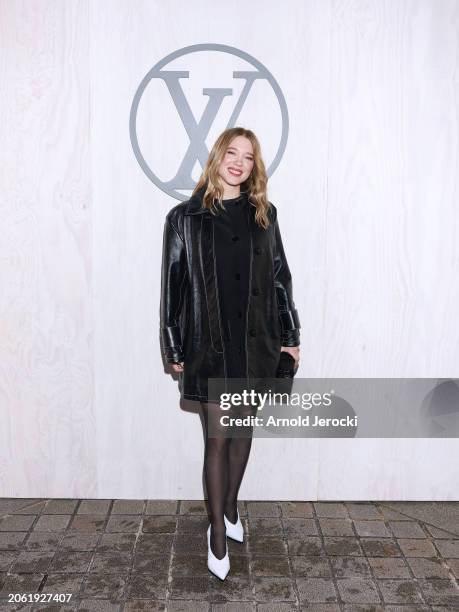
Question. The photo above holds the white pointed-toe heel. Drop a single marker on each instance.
(219, 567)
(235, 531)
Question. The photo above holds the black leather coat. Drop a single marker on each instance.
(190, 325)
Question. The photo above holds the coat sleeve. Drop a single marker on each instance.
(288, 315)
(174, 280)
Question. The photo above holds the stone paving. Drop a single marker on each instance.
(129, 555)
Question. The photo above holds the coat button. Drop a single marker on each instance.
(253, 333)
(239, 314)
(237, 276)
(235, 238)
(256, 291)
(257, 250)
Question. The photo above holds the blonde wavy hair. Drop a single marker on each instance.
(255, 185)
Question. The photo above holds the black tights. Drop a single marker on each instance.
(225, 459)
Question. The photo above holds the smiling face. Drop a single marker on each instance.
(237, 163)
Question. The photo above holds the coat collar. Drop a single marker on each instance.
(194, 204)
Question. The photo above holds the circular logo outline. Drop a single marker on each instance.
(186, 51)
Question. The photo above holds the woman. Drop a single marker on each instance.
(227, 310)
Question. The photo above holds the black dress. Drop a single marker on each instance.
(232, 251)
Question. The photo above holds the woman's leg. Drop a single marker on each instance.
(216, 474)
(239, 451)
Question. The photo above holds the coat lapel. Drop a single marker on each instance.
(208, 265)
(194, 205)
(208, 262)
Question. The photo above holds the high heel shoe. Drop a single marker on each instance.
(219, 567)
(235, 531)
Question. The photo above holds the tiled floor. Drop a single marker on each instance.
(152, 555)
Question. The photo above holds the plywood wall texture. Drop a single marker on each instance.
(366, 191)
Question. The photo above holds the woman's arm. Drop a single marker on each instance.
(174, 279)
(288, 315)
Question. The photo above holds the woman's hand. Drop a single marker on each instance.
(294, 352)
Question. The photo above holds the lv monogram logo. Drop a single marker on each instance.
(198, 130)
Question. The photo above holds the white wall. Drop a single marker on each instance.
(367, 196)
